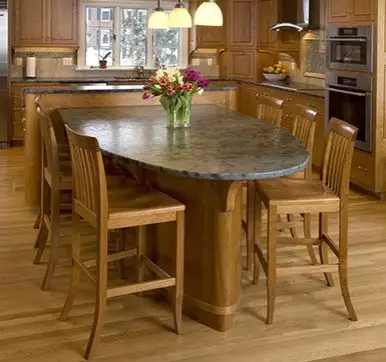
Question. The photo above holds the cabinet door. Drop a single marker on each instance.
(267, 16)
(242, 64)
(363, 11)
(29, 25)
(62, 22)
(339, 11)
(242, 24)
(213, 36)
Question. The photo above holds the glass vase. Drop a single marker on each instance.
(179, 118)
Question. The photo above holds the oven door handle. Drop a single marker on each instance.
(358, 40)
(346, 92)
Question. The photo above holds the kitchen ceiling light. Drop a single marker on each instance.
(209, 14)
(180, 17)
(159, 19)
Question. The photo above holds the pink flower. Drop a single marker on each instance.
(180, 87)
(170, 90)
(146, 95)
(188, 86)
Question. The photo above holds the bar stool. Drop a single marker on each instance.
(270, 111)
(56, 179)
(119, 208)
(287, 196)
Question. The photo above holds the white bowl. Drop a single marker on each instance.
(275, 76)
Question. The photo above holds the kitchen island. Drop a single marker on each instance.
(52, 98)
(202, 166)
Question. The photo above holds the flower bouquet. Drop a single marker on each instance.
(176, 90)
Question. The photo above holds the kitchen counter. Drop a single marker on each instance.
(233, 147)
(200, 166)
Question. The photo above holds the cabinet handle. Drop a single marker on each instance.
(23, 123)
(288, 99)
(363, 168)
(287, 116)
(310, 105)
(238, 53)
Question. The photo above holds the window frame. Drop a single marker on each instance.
(134, 4)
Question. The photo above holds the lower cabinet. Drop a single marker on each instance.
(242, 64)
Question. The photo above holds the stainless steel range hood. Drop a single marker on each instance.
(298, 15)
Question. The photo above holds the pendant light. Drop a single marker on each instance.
(159, 19)
(180, 17)
(209, 14)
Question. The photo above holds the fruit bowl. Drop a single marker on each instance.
(275, 77)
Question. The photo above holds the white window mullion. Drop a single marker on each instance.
(149, 63)
(117, 32)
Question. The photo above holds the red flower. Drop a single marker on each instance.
(188, 86)
(180, 87)
(146, 95)
(146, 88)
(170, 90)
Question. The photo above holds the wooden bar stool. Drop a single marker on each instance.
(118, 208)
(270, 111)
(56, 178)
(287, 196)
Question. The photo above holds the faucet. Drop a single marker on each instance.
(140, 71)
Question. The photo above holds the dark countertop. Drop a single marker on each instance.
(219, 145)
(106, 89)
(288, 86)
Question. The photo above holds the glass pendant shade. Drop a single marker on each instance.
(159, 19)
(209, 14)
(180, 17)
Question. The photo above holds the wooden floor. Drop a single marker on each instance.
(310, 324)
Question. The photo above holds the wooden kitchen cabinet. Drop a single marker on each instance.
(48, 22)
(351, 11)
(242, 64)
(267, 16)
(213, 36)
(29, 22)
(242, 32)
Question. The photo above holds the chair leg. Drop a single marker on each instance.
(271, 261)
(41, 242)
(41, 239)
(178, 292)
(257, 236)
(323, 249)
(307, 235)
(101, 293)
(38, 221)
(278, 218)
(294, 232)
(141, 243)
(121, 246)
(251, 192)
(343, 236)
(55, 239)
(75, 272)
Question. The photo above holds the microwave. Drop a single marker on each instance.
(351, 48)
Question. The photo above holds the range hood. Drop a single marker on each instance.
(298, 15)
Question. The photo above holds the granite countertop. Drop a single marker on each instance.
(289, 86)
(219, 145)
(106, 89)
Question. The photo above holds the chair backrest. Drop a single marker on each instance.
(338, 155)
(89, 178)
(270, 109)
(304, 130)
(49, 145)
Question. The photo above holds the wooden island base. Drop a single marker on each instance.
(212, 244)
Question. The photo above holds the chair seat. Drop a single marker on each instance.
(288, 194)
(140, 205)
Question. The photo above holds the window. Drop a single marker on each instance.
(120, 27)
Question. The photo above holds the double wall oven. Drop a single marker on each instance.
(349, 79)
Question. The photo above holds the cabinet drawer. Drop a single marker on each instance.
(16, 102)
(362, 169)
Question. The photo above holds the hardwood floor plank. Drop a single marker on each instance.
(310, 323)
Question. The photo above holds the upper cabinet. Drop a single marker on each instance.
(351, 11)
(48, 22)
(267, 16)
(212, 36)
(242, 24)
